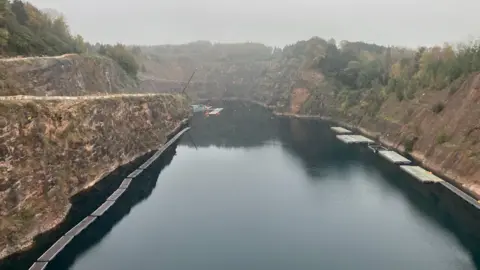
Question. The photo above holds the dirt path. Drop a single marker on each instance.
(13, 59)
(21, 97)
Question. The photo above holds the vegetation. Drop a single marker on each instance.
(353, 66)
(409, 143)
(27, 31)
(358, 73)
(442, 138)
(438, 107)
(122, 56)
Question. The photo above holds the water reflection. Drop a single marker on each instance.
(82, 205)
(137, 192)
(240, 125)
(301, 139)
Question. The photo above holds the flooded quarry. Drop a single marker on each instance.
(247, 190)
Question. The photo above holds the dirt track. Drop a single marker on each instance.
(22, 97)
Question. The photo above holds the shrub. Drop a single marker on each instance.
(442, 138)
(438, 107)
(122, 56)
(409, 143)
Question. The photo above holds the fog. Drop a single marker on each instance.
(406, 22)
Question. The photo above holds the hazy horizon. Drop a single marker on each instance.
(410, 23)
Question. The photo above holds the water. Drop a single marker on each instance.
(265, 193)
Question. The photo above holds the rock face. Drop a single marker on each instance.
(51, 150)
(446, 140)
(66, 75)
(442, 128)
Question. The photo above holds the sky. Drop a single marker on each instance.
(409, 23)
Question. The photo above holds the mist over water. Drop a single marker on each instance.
(265, 193)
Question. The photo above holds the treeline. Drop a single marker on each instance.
(208, 51)
(355, 68)
(27, 31)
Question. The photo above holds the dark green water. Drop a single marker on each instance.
(265, 193)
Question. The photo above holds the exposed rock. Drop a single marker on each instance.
(50, 150)
(67, 75)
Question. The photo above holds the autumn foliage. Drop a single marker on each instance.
(27, 31)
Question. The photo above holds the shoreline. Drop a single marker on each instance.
(94, 195)
(418, 157)
(415, 155)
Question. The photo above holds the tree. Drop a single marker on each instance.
(18, 8)
(79, 44)
(122, 56)
(60, 28)
(3, 26)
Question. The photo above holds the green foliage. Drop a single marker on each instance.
(409, 143)
(442, 138)
(438, 107)
(122, 56)
(358, 65)
(25, 30)
(399, 94)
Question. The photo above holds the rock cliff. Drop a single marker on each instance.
(51, 148)
(446, 141)
(66, 75)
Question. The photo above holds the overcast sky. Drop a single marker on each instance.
(279, 22)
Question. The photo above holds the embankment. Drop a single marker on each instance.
(441, 129)
(53, 148)
(66, 75)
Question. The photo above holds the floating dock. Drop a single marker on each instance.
(462, 194)
(61, 243)
(417, 172)
(421, 174)
(125, 183)
(147, 163)
(116, 194)
(135, 173)
(38, 266)
(55, 249)
(394, 157)
(81, 226)
(102, 209)
(375, 147)
(348, 139)
(340, 130)
(215, 111)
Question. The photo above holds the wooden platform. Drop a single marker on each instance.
(348, 139)
(116, 194)
(103, 208)
(55, 249)
(462, 194)
(421, 174)
(81, 226)
(38, 266)
(394, 157)
(340, 130)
